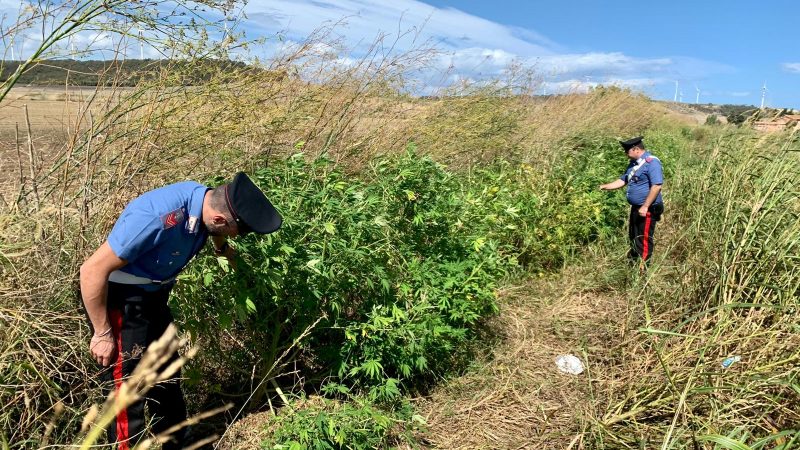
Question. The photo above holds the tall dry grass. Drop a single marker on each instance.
(726, 286)
(724, 283)
(123, 142)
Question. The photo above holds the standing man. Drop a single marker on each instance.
(644, 178)
(125, 284)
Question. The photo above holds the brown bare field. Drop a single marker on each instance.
(41, 118)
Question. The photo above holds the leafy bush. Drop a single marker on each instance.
(390, 272)
(318, 423)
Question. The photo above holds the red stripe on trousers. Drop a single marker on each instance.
(646, 249)
(122, 417)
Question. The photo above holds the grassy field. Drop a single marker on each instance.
(437, 255)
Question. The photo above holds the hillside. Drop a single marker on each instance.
(129, 72)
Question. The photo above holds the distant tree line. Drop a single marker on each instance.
(737, 114)
(127, 72)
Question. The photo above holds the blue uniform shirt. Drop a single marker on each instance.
(160, 231)
(640, 176)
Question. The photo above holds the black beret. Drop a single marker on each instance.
(250, 207)
(630, 143)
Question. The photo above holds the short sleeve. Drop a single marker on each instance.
(624, 176)
(134, 234)
(655, 173)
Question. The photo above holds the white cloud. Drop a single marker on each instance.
(417, 21)
(602, 64)
(477, 60)
(579, 85)
(636, 83)
(472, 47)
(791, 67)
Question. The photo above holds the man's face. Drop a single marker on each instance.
(219, 225)
(634, 153)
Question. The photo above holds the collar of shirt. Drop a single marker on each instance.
(636, 165)
(194, 222)
(642, 158)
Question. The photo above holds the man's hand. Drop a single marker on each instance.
(94, 289)
(230, 255)
(103, 348)
(222, 248)
(643, 211)
(616, 184)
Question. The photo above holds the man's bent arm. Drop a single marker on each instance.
(94, 287)
(652, 195)
(94, 282)
(616, 184)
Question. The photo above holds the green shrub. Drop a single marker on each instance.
(394, 269)
(318, 423)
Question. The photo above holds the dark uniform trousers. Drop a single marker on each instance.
(139, 317)
(641, 231)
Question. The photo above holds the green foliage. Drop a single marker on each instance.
(577, 212)
(736, 110)
(711, 119)
(396, 268)
(322, 424)
(735, 440)
(376, 262)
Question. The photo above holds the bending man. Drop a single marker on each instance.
(125, 284)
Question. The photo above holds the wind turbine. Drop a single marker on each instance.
(697, 99)
(763, 93)
(680, 97)
(225, 24)
(676, 92)
(141, 44)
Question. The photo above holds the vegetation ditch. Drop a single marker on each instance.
(406, 222)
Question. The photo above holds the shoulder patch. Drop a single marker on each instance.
(649, 159)
(173, 218)
(191, 224)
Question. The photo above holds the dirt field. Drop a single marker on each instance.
(53, 115)
(49, 109)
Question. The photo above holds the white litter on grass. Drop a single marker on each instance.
(730, 361)
(569, 364)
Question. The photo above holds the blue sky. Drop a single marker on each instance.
(717, 51)
(725, 49)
